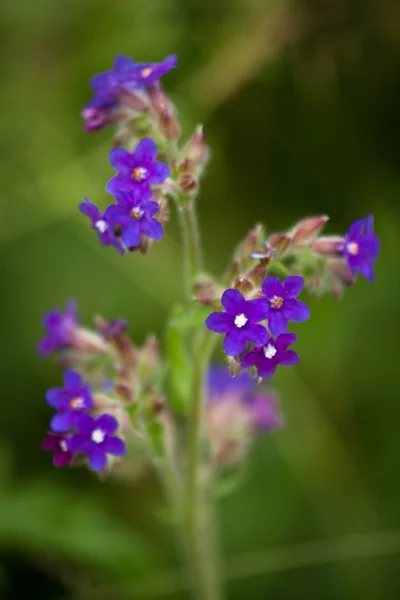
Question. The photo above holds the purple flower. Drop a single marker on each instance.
(95, 438)
(238, 323)
(361, 247)
(149, 73)
(98, 113)
(271, 354)
(58, 443)
(101, 225)
(283, 306)
(69, 401)
(60, 328)
(262, 406)
(137, 170)
(134, 216)
(265, 413)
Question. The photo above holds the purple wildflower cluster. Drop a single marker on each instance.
(126, 84)
(125, 224)
(74, 431)
(263, 346)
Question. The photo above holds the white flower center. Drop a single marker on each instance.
(63, 446)
(240, 320)
(269, 351)
(77, 403)
(139, 174)
(98, 436)
(352, 248)
(101, 226)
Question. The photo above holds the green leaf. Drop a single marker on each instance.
(191, 319)
(179, 365)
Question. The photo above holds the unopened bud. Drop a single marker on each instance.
(126, 392)
(169, 125)
(243, 284)
(307, 229)
(137, 101)
(206, 291)
(339, 267)
(280, 242)
(88, 341)
(328, 245)
(196, 152)
(188, 183)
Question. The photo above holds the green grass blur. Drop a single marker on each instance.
(300, 103)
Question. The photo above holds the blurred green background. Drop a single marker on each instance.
(301, 105)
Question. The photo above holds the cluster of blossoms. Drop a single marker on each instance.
(116, 394)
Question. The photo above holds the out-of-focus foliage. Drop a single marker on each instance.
(300, 102)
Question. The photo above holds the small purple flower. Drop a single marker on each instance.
(137, 170)
(262, 406)
(69, 401)
(265, 413)
(60, 328)
(238, 323)
(101, 225)
(98, 113)
(58, 443)
(361, 247)
(112, 329)
(271, 354)
(283, 306)
(95, 438)
(134, 216)
(149, 73)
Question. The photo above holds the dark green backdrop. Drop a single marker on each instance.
(301, 105)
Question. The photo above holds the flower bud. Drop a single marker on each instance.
(328, 245)
(280, 242)
(196, 152)
(187, 183)
(307, 229)
(206, 291)
(339, 267)
(228, 423)
(243, 284)
(133, 99)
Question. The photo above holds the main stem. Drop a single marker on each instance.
(198, 513)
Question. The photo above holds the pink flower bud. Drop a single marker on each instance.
(307, 229)
(328, 245)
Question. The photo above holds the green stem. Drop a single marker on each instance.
(191, 243)
(199, 507)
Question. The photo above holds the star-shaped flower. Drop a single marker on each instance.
(267, 357)
(361, 247)
(282, 303)
(101, 225)
(71, 400)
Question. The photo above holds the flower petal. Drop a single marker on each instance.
(62, 421)
(277, 322)
(235, 342)
(50, 443)
(72, 381)
(272, 286)
(256, 334)
(131, 234)
(257, 310)
(57, 399)
(84, 423)
(219, 322)
(285, 340)
(146, 151)
(159, 172)
(107, 423)
(296, 310)
(97, 459)
(114, 445)
(61, 459)
(288, 357)
(266, 368)
(78, 443)
(233, 301)
(293, 285)
(356, 228)
(152, 228)
(121, 160)
(251, 359)
(90, 210)
(366, 269)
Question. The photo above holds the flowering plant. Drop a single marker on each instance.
(117, 396)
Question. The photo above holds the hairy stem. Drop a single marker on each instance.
(191, 241)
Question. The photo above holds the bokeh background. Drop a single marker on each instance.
(300, 102)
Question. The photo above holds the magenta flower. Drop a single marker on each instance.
(58, 443)
(95, 438)
(137, 170)
(267, 357)
(239, 321)
(134, 216)
(60, 327)
(361, 247)
(101, 225)
(283, 306)
(69, 401)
